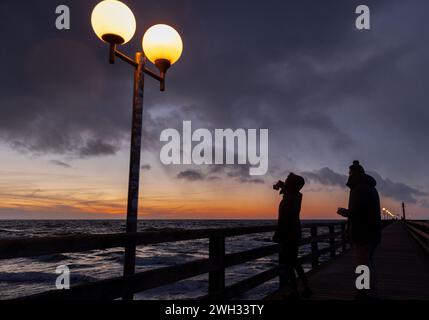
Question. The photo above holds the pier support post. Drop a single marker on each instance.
(314, 247)
(217, 258)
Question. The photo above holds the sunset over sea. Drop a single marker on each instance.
(202, 159)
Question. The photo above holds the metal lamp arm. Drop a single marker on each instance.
(116, 53)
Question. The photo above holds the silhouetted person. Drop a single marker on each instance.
(288, 233)
(364, 220)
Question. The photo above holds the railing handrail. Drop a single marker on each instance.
(422, 224)
(419, 230)
(421, 233)
(215, 265)
(30, 247)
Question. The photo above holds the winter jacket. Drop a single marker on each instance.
(289, 224)
(364, 210)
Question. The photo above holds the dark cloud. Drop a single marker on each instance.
(60, 163)
(81, 95)
(191, 175)
(326, 92)
(97, 148)
(239, 173)
(395, 190)
(327, 177)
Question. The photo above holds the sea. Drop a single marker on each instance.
(27, 276)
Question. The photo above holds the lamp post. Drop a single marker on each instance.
(115, 24)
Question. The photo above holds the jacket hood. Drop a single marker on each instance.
(355, 180)
(294, 183)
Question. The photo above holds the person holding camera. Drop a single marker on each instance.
(288, 233)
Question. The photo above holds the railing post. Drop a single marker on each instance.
(332, 240)
(314, 247)
(343, 237)
(217, 257)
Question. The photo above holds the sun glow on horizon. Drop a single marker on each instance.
(83, 191)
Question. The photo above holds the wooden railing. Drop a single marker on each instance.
(216, 263)
(419, 230)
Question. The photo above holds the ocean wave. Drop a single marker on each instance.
(10, 230)
(108, 253)
(185, 289)
(157, 260)
(41, 277)
(58, 257)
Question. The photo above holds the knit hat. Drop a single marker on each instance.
(357, 167)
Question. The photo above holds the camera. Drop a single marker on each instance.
(279, 185)
(293, 183)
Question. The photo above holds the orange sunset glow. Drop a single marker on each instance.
(87, 191)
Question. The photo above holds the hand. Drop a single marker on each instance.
(342, 212)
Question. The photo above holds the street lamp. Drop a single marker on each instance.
(114, 23)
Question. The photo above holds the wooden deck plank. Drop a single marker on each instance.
(402, 271)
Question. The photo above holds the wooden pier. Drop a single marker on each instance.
(401, 260)
(401, 263)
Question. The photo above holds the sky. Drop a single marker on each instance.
(327, 92)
